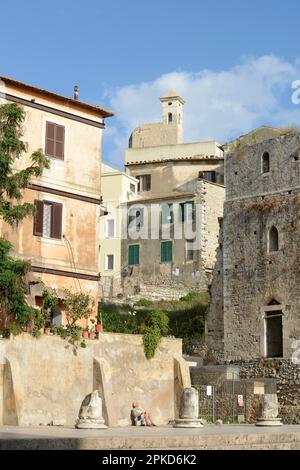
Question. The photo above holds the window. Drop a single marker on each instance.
(144, 183)
(187, 211)
(166, 255)
(110, 262)
(136, 215)
(274, 341)
(110, 228)
(48, 219)
(273, 240)
(55, 140)
(133, 255)
(170, 118)
(208, 176)
(189, 250)
(266, 163)
(132, 188)
(167, 213)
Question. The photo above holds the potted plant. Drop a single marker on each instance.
(85, 333)
(92, 333)
(47, 329)
(99, 326)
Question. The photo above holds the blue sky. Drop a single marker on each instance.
(233, 61)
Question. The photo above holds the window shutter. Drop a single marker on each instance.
(169, 248)
(166, 254)
(59, 141)
(133, 255)
(38, 219)
(50, 139)
(56, 226)
(148, 182)
(55, 140)
(137, 255)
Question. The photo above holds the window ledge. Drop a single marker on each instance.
(50, 241)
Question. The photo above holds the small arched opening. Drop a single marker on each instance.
(266, 162)
(170, 118)
(273, 240)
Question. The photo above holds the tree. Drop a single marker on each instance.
(13, 182)
(77, 306)
(13, 303)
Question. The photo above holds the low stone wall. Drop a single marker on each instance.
(287, 376)
(44, 381)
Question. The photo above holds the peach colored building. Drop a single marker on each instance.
(62, 242)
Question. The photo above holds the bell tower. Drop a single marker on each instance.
(172, 113)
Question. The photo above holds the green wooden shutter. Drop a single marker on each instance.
(166, 252)
(133, 255)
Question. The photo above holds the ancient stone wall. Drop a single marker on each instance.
(255, 277)
(44, 380)
(287, 376)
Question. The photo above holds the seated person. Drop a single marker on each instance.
(140, 417)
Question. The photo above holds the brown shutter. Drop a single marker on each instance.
(50, 139)
(56, 225)
(59, 141)
(38, 219)
(148, 182)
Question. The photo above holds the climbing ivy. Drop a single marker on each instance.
(157, 326)
(13, 181)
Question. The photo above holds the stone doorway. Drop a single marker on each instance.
(274, 341)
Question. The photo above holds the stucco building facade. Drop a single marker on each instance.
(173, 177)
(62, 242)
(116, 188)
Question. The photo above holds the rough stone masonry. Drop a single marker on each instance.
(254, 317)
(258, 271)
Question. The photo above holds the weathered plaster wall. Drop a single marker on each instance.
(175, 175)
(78, 173)
(209, 149)
(46, 379)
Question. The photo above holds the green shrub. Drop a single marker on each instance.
(13, 329)
(160, 320)
(190, 297)
(144, 303)
(157, 326)
(151, 339)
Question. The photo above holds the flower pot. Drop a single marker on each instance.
(99, 328)
(85, 334)
(92, 335)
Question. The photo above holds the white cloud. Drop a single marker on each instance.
(219, 104)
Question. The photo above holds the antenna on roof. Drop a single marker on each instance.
(76, 89)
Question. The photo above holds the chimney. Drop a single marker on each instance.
(76, 92)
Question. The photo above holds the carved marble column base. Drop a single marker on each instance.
(268, 422)
(90, 424)
(188, 423)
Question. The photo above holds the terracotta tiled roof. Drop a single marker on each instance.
(194, 158)
(49, 94)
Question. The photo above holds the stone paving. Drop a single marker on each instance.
(208, 437)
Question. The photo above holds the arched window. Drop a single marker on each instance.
(273, 239)
(266, 162)
(170, 118)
